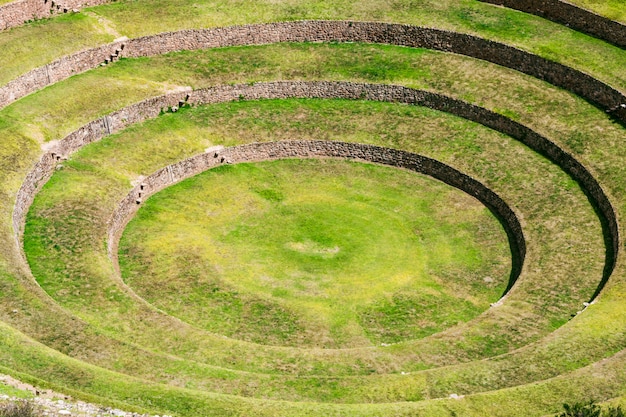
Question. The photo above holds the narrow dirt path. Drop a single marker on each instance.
(106, 25)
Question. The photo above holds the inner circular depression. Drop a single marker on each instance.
(316, 253)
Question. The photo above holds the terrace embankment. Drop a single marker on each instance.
(18, 12)
(151, 108)
(572, 16)
(591, 89)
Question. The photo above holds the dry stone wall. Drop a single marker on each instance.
(86, 134)
(18, 12)
(33, 182)
(116, 121)
(58, 70)
(593, 90)
(573, 16)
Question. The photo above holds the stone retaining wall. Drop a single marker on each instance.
(573, 16)
(315, 149)
(557, 74)
(56, 71)
(116, 121)
(18, 12)
(84, 135)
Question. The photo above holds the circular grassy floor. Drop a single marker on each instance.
(316, 253)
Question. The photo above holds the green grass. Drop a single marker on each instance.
(60, 264)
(550, 40)
(95, 337)
(59, 109)
(313, 253)
(613, 9)
(14, 392)
(144, 17)
(64, 35)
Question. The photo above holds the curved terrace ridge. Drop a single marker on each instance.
(596, 92)
(174, 103)
(18, 12)
(269, 151)
(575, 17)
(114, 122)
(573, 360)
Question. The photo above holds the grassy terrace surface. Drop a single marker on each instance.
(92, 318)
(61, 108)
(477, 79)
(140, 150)
(13, 392)
(64, 35)
(145, 17)
(339, 254)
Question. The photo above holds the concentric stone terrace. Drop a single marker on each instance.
(313, 230)
(312, 269)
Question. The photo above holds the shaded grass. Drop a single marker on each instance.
(298, 234)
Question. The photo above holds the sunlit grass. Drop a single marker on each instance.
(613, 9)
(79, 196)
(63, 35)
(131, 160)
(80, 185)
(323, 245)
(13, 392)
(143, 17)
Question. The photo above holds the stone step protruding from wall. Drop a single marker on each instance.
(116, 55)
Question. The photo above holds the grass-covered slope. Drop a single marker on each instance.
(75, 325)
(56, 271)
(612, 9)
(312, 253)
(145, 17)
